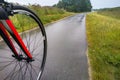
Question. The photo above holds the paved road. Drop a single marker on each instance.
(66, 59)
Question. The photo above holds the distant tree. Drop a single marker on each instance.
(75, 5)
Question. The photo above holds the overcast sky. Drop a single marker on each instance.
(95, 3)
(105, 3)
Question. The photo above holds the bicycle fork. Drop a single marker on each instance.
(7, 25)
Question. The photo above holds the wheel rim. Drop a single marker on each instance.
(12, 69)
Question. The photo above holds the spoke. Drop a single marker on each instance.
(29, 39)
(1, 57)
(20, 52)
(5, 62)
(34, 69)
(25, 70)
(38, 53)
(30, 72)
(3, 67)
(36, 42)
(38, 60)
(20, 70)
(8, 49)
(35, 34)
(12, 77)
(35, 54)
(17, 72)
(37, 46)
(11, 73)
(36, 66)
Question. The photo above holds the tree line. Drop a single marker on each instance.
(74, 5)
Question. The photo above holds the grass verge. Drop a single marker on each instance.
(103, 34)
(46, 14)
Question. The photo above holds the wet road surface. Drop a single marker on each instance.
(66, 59)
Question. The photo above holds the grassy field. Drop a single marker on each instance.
(111, 12)
(103, 32)
(46, 14)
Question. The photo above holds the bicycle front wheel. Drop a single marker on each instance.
(34, 37)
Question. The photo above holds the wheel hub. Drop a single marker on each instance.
(21, 58)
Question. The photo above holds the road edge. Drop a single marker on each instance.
(45, 25)
(89, 67)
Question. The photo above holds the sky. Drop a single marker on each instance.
(95, 3)
(105, 3)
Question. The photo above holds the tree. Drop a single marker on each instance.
(75, 5)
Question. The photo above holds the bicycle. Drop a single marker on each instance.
(23, 54)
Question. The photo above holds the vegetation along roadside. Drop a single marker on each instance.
(103, 32)
(47, 14)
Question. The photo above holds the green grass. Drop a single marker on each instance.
(46, 14)
(49, 14)
(111, 12)
(103, 34)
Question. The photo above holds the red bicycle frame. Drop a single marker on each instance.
(7, 25)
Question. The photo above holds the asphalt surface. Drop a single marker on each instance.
(66, 59)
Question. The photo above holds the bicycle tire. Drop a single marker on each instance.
(23, 70)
